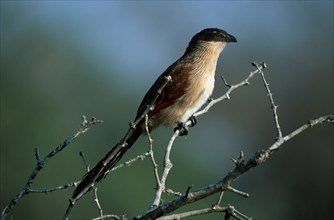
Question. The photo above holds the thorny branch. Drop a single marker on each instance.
(225, 183)
(26, 189)
(271, 98)
(229, 211)
(226, 96)
(167, 167)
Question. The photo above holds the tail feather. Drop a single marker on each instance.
(103, 167)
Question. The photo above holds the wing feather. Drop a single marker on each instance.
(173, 90)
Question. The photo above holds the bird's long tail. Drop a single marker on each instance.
(104, 166)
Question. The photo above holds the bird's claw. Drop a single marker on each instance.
(193, 121)
(184, 128)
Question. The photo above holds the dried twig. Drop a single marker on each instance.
(151, 153)
(167, 167)
(271, 98)
(229, 91)
(26, 189)
(256, 160)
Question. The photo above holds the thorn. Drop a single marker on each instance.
(225, 82)
(238, 162)
(132, 125)
(188, 190)
(264, 65)
(254, 63)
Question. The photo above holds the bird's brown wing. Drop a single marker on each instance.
(172, 91)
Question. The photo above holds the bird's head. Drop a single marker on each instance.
(213, 34)
(211, 38)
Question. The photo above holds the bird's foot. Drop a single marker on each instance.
(193, 121)
(184, 128)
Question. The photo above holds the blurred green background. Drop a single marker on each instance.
(60, 60)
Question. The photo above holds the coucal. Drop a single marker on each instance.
(191, 85)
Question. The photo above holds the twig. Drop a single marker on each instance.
(82, 155)
(229, 91)
(311, 123)
(271, 98)
(131, 161)
(230, 211)
(220, 198)
(151, 153)
(96, 200)
(172, 192)
(256, 160)
(231, 189)
(65, 186)
(68, 210)
(167, 167)
(117, 217)
(26, 189)
(188, 214)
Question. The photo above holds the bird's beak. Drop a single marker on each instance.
(230, 38)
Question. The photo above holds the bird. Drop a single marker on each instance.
(191, 85)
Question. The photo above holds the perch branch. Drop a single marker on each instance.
(167, 167)
(256, 160)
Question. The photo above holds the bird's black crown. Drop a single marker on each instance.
(212, 34)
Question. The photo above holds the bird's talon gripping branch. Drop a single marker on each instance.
(183, 129)
(193, 121)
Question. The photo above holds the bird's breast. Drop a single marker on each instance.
(199, 90)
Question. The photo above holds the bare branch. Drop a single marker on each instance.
(311, 123)
(116, 217)
(167, 167)
(256, 160)
(188, 214)
(131, 161)
(229, 211)
(220, 198)
(96, 200)
(229, 91)
(231, 189)
(26, 189)
(65, 186)
(271, 98)
(154, 163)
